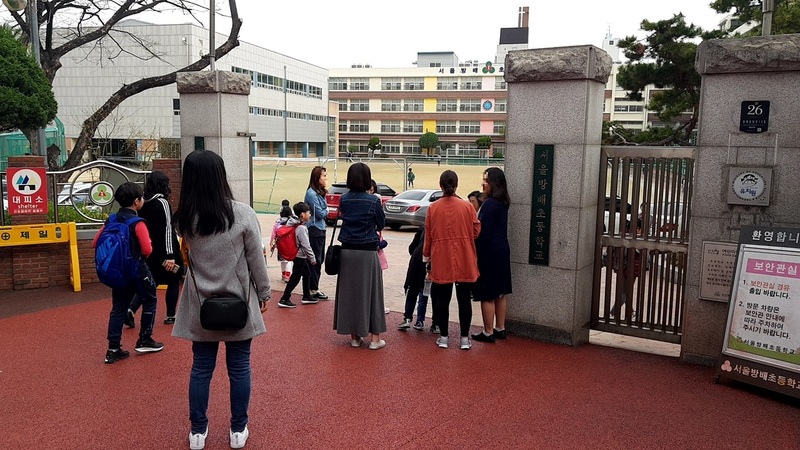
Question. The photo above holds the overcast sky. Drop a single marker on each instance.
(335, 34)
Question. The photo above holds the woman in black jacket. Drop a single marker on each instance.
(165, 263)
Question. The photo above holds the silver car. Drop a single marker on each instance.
(410, 207)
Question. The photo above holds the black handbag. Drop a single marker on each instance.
(221, 312)
(333, 255)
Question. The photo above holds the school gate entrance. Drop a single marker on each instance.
(644, 206)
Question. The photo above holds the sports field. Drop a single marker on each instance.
(274, 181)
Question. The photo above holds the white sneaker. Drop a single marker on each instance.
(197, 441)
(465, 343)
(377, 345)
(239, 439)
(441, 341)
(404, 325)
(355, 342)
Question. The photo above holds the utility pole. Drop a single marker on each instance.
(33, 21)
(767, 7)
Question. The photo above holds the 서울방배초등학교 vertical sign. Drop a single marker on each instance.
(541, 204)
(762, 334)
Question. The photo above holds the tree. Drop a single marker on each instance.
(26, 96)
(616, 134)
(785, 16)
(665, 59)
(484, 142)
(374, 144)
(96, 22)
(429, 141)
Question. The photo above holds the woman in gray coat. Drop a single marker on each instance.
(225, 258)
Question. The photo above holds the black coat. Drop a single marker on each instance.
(415, 276)
(158, 214)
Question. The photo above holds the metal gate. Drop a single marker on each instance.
(644, 206)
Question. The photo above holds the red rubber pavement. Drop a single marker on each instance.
(311, 390)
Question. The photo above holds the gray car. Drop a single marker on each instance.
(410, 207)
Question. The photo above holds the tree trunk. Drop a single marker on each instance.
(90, 125)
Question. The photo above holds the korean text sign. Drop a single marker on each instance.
(762, 334)
(27, 190)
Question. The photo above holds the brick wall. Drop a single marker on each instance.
(171, 167)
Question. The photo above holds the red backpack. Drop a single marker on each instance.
(286, 242)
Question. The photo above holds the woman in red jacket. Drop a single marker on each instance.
(451, 227)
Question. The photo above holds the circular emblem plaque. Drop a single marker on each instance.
(487, 105)
(102, 193)
(748, 185)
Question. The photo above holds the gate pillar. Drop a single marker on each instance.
(735, 72)
(555, 98)
(215, 117)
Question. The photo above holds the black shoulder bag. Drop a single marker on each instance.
(333, 255)
(221, 312)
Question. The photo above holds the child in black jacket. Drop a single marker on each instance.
(414, 285)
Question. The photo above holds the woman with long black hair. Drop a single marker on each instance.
(315, 198)
(223, 238)
(494, 257)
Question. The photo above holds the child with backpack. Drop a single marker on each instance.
(120, 248)
(286, 265)
(293, 244)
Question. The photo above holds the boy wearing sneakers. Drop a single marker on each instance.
(305, 256)
(129, 197)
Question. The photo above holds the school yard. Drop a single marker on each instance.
(275, 180)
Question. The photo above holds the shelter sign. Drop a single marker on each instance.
(762, 335)
(27, 190)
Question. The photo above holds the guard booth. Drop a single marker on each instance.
(641, 250)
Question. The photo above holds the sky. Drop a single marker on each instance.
(336, 34)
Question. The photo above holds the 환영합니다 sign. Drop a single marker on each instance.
(762, 334)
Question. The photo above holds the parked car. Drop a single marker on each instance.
(666, 218)
(410, 207)
(78, 198)
(335, 193)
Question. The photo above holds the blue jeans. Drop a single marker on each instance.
(237, 359)
(170, 298)
(415, 296)
(145, 289)
(422, 305)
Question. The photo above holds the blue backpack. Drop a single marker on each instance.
(116, 266)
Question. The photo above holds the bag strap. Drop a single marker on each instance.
(185, 252)
(333, 235)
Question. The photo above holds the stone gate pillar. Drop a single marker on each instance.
(215, 116)
(735, 71)
(555, 97)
